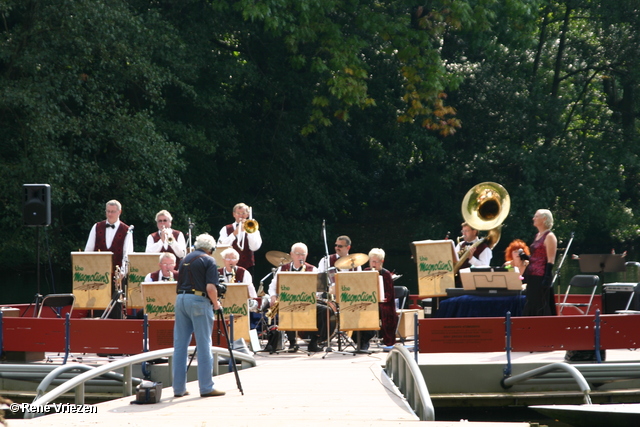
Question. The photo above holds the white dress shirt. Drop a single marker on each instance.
(482, 259)
(110, 233)
(254, 240)
(179, 245)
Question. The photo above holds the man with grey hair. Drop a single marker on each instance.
(111, 235)
(245, 243)
(166, 239)
(298, 262)
(195, 305)
(167, 272)
(117, 237)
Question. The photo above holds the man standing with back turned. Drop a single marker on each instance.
(195, 304)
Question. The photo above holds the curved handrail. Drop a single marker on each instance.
(51, 376)
(406, 375)
(572, 370)
(126, 363)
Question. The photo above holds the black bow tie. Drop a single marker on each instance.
(111, 225)
(166, 279)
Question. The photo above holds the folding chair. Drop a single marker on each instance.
(57, 301)
(402, 295)
(584, 282)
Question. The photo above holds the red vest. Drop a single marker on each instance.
(287, 267)
(156, 237)
(117, 246)
(246, 255)
(156, 276)
(239, 273)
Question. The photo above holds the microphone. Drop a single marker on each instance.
(523, 256)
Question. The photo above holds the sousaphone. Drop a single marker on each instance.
(485, 207)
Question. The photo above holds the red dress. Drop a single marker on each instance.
(388, 315)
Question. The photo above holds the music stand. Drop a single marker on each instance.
(602, 263)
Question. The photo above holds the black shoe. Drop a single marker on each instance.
(313, 348)
(293, 349)
(364, 346)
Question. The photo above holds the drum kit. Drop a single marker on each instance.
(325, 305)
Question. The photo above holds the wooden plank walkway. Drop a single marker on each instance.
(284, 389)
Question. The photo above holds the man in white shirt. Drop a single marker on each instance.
(167, 272)
(235, 236)
(166, 239)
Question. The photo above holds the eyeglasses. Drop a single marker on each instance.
(162, 220)
(299, 254)
(230, 259)
(112, 212)
(169, 265)
(341, 246)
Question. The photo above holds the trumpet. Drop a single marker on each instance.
(168, 233)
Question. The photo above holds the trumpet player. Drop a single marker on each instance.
(245, 243)
(166, 239)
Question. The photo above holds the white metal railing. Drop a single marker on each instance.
(406, 375)
(570, 369)
(77, 383)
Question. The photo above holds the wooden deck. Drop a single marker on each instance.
(284, 389)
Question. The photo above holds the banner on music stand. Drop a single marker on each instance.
(159, 299)
(435, 260)
(358, 295)
(140, 264)
(92, 278)
(297, 301)
(236, 302)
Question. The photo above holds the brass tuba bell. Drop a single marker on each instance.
(485, 207)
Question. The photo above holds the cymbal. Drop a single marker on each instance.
(277, 258)
(351, 261)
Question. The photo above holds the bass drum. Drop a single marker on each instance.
(321, 321)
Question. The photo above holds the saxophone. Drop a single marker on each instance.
(272, 311)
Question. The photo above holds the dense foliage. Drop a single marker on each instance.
(377, 116)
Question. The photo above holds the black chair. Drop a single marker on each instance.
(57, 301)
(583, 282)
(402, 295)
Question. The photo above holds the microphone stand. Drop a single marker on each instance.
(191, 225)
(564, 256)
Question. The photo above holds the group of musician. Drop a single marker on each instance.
(535, 264)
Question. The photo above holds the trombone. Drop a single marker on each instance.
(251, 225)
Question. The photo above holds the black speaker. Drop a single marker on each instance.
(37, 205)
(616, 296)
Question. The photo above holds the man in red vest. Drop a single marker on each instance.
(167, 272)
(245, 243)
(167, 239)
(112, 235)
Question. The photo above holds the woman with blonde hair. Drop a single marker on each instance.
(538, 277)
